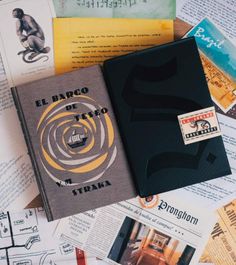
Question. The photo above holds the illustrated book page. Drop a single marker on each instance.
(26, 43)
(26, 54)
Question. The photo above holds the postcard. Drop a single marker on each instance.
(116, 8)
(218, 56)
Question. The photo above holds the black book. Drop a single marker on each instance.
(149, 90)
(83, 160)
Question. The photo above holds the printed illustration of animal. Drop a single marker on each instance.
(200, 125)
(31, 37)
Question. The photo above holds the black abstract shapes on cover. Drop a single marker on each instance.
(175, 160)
(143, 100)
(150, 106)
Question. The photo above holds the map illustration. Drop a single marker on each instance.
(26, 239)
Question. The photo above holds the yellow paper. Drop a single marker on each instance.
(221, 247)
(81, 42)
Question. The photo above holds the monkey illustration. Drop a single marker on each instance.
(203, 124)
(31, 37)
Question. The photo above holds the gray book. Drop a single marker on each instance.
(73, 142)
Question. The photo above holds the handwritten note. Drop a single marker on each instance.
(116, 8)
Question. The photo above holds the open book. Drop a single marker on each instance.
(84, 160)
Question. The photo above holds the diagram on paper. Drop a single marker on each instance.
(22, 242)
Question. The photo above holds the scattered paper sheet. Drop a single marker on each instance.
(116, 8)
(17, 182)
(222, 12)
(221, 247)
(81, 42)
(161, 228)
(26, 43)
(26, 238)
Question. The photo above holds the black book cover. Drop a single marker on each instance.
(148, 90)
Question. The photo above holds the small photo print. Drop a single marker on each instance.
(138, 244)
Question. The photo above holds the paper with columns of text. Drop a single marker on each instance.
(221, 246)
(161, 228)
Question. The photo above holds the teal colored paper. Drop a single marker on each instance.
(163, 9)
(215, 46)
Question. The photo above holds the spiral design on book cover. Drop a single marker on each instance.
(77, 145)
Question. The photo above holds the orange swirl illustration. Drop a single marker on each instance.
(78, 145)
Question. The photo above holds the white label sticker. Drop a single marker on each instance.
(199, 125)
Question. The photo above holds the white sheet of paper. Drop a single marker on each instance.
(17, 70)
(26, 238)
(17, 181)
(222, 12)
(106, 232)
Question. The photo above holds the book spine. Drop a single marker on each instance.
(31, 153)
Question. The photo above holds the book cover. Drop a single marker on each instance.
(165, 116)
(73, 142)
(167, 126)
